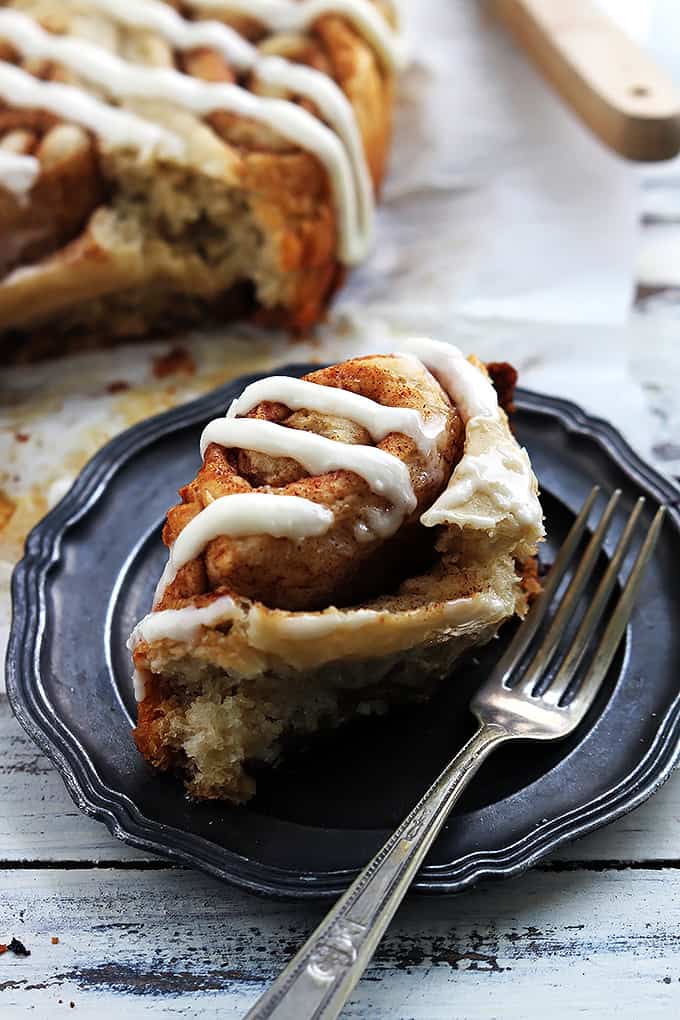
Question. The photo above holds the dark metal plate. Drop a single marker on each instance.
(88, 575)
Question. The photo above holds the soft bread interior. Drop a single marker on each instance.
(169, 241)
(240, 219)
(228, 676)
(248, 686)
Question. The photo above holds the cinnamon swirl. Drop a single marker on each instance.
(162, 161)
(347, 537)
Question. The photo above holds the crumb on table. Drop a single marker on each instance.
(177, 360)
(18, 948)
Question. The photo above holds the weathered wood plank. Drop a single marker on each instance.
(175, 943)
(38, 821)
(659, 254)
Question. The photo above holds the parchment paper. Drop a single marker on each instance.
(499, 203)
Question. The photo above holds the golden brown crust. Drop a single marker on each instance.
(68, 191)
(529, 572)
(213, 706)
(229, 679)
(276, 201)
(151, 733)
(335, 568)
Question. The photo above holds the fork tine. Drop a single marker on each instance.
(584, 634)
(534, 619)
(617, 625)
(548, 647)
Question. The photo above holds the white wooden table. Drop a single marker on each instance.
(595, 929)
(592, 933)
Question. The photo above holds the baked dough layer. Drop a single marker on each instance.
(113, 240)
(257, 678)
(225, 679)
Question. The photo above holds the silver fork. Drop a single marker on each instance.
(519, 701)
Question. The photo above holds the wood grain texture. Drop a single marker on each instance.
(658, 259)
(177, 944)
(39, 822)
(136, 943)
(595, 926)
(38, 819)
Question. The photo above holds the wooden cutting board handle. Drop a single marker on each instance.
(612, 84)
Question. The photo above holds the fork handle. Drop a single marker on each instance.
(319, 979)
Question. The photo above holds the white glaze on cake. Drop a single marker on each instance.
(299, 15)
(470, 389)
(282, 516)
(117, 127)
(182, 624)
(492, 487)
(274, 71)
(182, 34)
(385, 474)
(280, 633)
(379, 420)
(18, 173)
(340, 150)
(139, 678)
(280, 624)
(244, 514)
(493, 483)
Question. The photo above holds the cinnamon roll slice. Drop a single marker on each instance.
(348, 536)
(160, 162)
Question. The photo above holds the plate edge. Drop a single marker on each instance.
(42, 551)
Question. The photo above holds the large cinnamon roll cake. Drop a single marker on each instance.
(159, 161)
(347, 537)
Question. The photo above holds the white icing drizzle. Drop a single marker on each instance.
(139, 678)
(265, 625)
(501, 473)
(284, 516)
(386, 475)
(379, 420)
(470, 390)
(493, 468)
(341, 154)
(287, 16)
(18, 173)
(251, 513)
(492, 486)
(244, 514)
(157, 17)
(182, 624)
(271, 70)
(317, 626)
(118, 127)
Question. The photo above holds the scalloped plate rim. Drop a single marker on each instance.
(114, 809)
